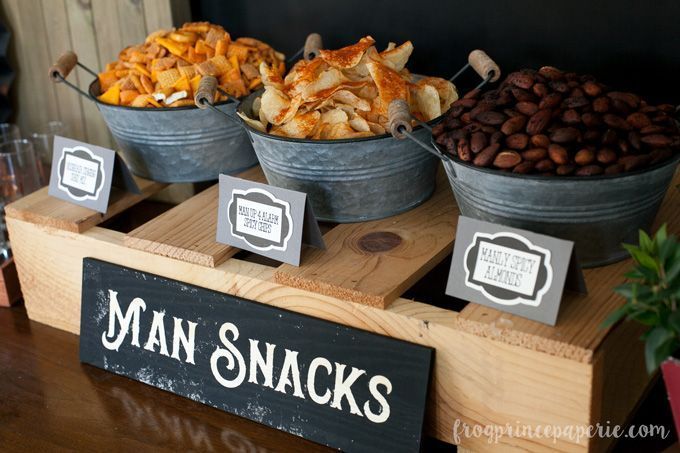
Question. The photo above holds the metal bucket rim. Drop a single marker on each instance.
(673, 160)
(92, 92)
(252, 130)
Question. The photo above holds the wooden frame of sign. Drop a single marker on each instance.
(491, 368)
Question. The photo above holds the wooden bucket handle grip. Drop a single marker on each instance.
(63, 67)
(484, 65)
(313, 46)
(399, 115)
(205, 95)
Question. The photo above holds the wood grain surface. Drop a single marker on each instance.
(42, 209)
(49, 401)
(187, 232)
(373, 263)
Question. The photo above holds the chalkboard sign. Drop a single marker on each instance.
(332, 384)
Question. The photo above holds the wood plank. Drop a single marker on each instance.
(157, 15)
(84, 44)
(38, 102)
(187, 231)
(373, 263)
(42, 209)
(68, 101)
(131, 22)
(475, 379)
(578, 333)
(106, 24)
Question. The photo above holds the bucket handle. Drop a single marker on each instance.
(61, 69)
(311, 49)
(483, 65)
(399, 125)
(205, 97)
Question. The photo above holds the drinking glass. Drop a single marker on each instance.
(42, 143)
(18, 177)
(9, 132)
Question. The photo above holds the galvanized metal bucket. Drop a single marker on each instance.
(597, 213)
(178, 144)
(173, 144)
(348, 180)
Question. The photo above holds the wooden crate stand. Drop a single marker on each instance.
(491, 368)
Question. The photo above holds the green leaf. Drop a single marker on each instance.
(674, 321)
(647, 318)
(646, 242)
(626, 290)
(673, 272)
(658, 346)
(634, 275)
(666, 250)
(614, 317)
(661, 234)
(645, 260)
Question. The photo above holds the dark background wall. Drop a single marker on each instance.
(629, 44)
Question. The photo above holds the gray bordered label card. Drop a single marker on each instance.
(266, 220)
(83, 174)
(512, 270)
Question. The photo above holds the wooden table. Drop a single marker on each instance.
(49, 401)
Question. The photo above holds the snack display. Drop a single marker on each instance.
(345, 93)
(549, 122)
(167, 68)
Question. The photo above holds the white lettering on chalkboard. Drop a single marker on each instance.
(233, 373)
(229, 368)
(130, 321)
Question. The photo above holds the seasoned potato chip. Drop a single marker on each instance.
(376, 128)
(270, 77)
(350, 88)
(396, 58)
(349, 56)
(255, 124)
(275, 105)
(347, 97)
(359, 124)
(300, 126)
(426, 100)
(334, 116)
(390, 85)
(447, 91)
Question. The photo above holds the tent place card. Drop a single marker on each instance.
(335, 385)
(512, 270)
(83, 174)
(266, 220)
